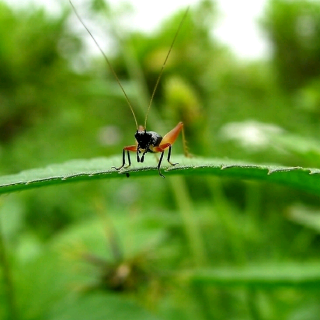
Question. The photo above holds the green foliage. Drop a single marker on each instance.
(211, 241)
(32, 67)
(260, 276)
(294, 29)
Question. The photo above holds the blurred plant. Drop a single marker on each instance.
(119, 273)
(255, 137)
(32, 66)
(294, 30)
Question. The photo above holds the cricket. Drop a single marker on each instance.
(146, 141)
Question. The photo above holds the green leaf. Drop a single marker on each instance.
(100, 307)
(262, 276)
(306, 179)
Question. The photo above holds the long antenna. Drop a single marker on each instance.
(164, 64)
(108, 62)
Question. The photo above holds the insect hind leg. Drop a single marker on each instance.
(159, 165)
(169, 156)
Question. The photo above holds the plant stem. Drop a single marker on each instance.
(226, 215)
(7, 277)
(179, 188)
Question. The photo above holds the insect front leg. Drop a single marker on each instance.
(141, 159)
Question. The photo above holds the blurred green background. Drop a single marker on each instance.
(124, 249)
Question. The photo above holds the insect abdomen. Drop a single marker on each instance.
(155, 138)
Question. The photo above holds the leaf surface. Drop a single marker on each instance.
(307, 179)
